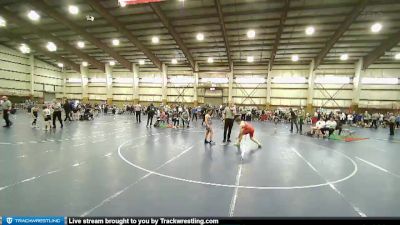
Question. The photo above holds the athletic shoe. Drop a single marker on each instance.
(206, 142)
(224, 141)
(211, 143)
(259, 146)
(229, 140)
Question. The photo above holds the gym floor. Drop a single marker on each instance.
(115, 167)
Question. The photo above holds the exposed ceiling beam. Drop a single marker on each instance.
(379, 51)
(42, 6)
(223, 29)
(34, 29)
(96, 5)
(42, 51)
(164, 20)
(279, 33)
(340, 31)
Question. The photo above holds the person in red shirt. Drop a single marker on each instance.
(246, 128)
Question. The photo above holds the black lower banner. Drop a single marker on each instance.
(231, 221)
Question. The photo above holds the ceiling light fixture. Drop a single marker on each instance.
(251, 34)
(85, 64)
(174, 61)
(115, 42)
(60, 65)
(397, 56)
(112, 63)
(122, 3)
(295, 58)
(376, 27)
(344, 57)
(80, 44)
(141, 62)
(310, 30)
(250, 59)
(155, 40)
(210, 60)
(33, 15)
(200, 36)
(24, 49)
(3, 22)
(73, 9)
(51, 46)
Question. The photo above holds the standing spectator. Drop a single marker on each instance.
(398, 121)
(138, 112)
(6, 106)
(243, 113)
(293, 120)
(67, 110)
(392, 120)
(194, 114)
(367, 119)
(228, 115)
(150, 114)
(302, 115)
(375, 117)
(185, 117)
(381, 119)
(35, 115)
(57, 113)
(343, 118)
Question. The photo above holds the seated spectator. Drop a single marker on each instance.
(318, 128)
(330, 126)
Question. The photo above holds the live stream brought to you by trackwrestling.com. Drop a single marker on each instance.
(8, 220)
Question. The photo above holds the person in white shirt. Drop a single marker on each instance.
(319, 126)
(343, 117)
(350, 119)
(380, 119)
(57, 109)
(138, 111)
(47, 118)
(330, 126)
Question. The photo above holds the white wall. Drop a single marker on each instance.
(15, 75)
(15, 80)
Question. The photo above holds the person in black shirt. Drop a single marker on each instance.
(293, 120)
(67, 109)
(150, 114)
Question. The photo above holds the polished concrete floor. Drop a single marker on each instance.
(116, 167)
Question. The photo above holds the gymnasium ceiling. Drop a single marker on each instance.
(341, 27)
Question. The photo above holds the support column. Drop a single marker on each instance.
(310, 93)
(109, 81)
(32, 74)
(135, 69)
(84, 77)
(356, 85)
(230, 84)
(195, 84)
(164, 83)
(269, 82)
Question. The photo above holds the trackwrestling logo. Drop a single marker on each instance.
(9, 220)
(16, 220)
